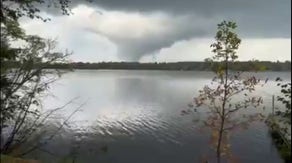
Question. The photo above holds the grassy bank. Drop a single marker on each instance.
(280, 136)
(284, 149)
(9, 159)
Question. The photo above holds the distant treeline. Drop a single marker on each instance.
(185, 66)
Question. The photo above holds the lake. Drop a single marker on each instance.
(135, 117)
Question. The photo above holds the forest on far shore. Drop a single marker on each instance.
(184, 66)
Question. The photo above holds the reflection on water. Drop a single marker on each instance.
(134, 116)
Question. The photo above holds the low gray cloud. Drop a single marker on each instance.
(175, 29)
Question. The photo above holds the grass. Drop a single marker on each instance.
(284, 150)
(10, 159)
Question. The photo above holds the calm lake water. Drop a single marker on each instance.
(135, 117)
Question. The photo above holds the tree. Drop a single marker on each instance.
(12, 10)
(20, 99)
(219, 97)
(23, 85)
(285, 98)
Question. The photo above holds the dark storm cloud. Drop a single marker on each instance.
(255, 18)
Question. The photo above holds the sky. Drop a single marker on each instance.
(165, 30)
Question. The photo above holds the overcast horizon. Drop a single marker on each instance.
(166, 31)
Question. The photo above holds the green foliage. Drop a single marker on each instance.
(30, 8)
(285, 98)
(227, 42)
